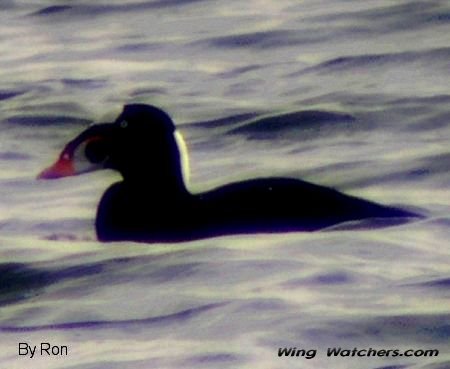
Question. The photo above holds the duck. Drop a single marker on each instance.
(152, 203)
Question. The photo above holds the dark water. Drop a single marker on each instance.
(352, 95)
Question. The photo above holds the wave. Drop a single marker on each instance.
(84, 83)
(436, 167)
(265, 39)
(395, 17)
(20, 281)
(302, 121)
(103, 9)
(226, 121)
(349, 63)
(138, 47)
(52, 10)
(46, 120)
(13, 155)
(236, 72)
(441, 284)
(122, 324)
(9, 94)
(139, 92)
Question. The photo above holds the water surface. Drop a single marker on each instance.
(351, 95)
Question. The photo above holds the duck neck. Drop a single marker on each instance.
(153, 169)
(158, 184)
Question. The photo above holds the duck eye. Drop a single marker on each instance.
(123, 124)
(96, 151)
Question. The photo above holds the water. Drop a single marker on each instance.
(351, 95)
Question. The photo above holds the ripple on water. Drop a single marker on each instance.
(437, 56)
(45, 120)
(298, 121)
(9, 94)
(90, 10)
(264, 39)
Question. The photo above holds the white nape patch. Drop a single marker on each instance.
(184, 157)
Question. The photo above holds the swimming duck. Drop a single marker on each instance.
(152, 203)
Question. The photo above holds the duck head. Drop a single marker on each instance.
(142, 144)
